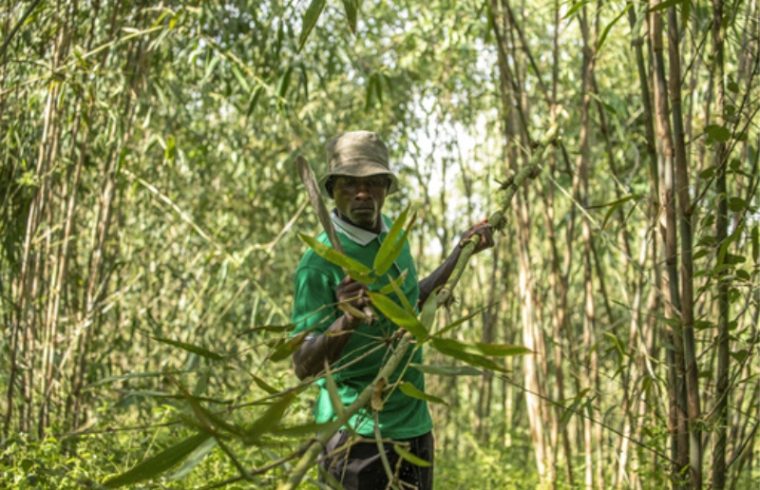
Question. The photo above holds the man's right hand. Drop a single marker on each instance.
(352, 298)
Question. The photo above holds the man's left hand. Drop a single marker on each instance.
(484, 230)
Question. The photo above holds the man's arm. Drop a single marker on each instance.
(310, 358)
(439, 276)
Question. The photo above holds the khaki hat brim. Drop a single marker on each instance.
(360, 169)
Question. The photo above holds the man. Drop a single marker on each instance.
(358, 180)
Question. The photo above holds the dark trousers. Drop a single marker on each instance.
(356, 463)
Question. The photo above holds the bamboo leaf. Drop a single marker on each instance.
(394, 283)
(575, 8)
(270, 419)
(456, 323)
(609, 26)
(210, 422)
(284, 83)
(240, 78)
(310, 19)
(733, 259)
(573, 408)
(204, 419)
(353, 267)
(411, 457)
(716, 132)
(457, 350)
(303, 429)
(193, 460)
(446, 370)
(195, 349)
(703, 324)
(158, 463)
(685, 15)
(502, 350)
(613, 205)
(348, 308)
(370, 89)
(332, 390)
(707, 173)
(351, 7)
(399, 315)
(396, 288)
(616, 344)
(210, 69)
(740, 356)
(286, 348)
(234, 459)
(267, 328)
(391, 246)
(304, 82)
(254, 99)
(737, 204)
(427, 317)
(264, 385)
(410, 390)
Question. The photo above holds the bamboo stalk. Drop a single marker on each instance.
(687, 267)
(722, 391)
(668, 226)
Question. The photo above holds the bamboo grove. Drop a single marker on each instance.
(150, 213)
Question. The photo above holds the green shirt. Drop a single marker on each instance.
(314, 310)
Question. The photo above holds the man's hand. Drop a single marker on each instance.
(310, 358)
(484, 230)
(352, 295)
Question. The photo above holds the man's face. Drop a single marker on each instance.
(360, 199)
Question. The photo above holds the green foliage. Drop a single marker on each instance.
(310, 19)
(195, 349)
(398, 315)
(410, 390)
(355, 269)
(44, 464)
(490, 467)
(148, 196)
(159, 463)
(446, 370)
(717, 133)
(463, 352)
(411, 457)
(392, 245)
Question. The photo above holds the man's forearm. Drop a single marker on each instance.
(310, 358)
(439, 276)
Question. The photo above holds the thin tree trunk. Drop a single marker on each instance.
(721, 232)
(687, 267)
(590, 375)
(668, 225)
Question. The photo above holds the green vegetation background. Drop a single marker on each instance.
(149, 196)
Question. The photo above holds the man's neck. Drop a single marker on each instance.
(376, 228)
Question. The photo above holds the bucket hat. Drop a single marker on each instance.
(357, 154)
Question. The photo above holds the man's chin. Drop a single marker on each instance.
(364, 220)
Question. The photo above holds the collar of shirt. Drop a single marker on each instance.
(353, 232)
